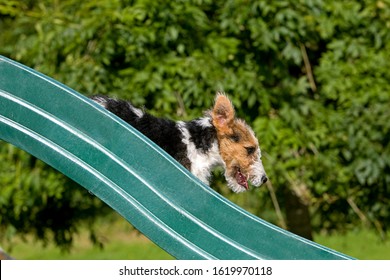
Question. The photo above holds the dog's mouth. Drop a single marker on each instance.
(241, 179)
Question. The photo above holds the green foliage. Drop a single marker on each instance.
(311, 76)
(36, 199)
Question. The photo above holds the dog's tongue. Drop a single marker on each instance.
(241, 180)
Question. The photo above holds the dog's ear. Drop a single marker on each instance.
(223, 114)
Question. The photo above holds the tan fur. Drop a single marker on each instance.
(234, 137)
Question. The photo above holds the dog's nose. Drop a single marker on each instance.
(264, 179)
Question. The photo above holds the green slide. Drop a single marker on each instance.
(134, 176)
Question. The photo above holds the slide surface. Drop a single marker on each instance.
(134, 176)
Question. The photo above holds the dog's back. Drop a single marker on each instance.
(163, 132)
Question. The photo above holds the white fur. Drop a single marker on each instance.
(233, 185)
(136, 111)
(201, 163)
(100, 100)
(204, 122)
(257, 171)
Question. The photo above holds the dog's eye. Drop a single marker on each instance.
(250, 150)
(235, 138)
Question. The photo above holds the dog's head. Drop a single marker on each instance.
(238, 147)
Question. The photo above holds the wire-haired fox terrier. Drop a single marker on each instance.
(217, 138)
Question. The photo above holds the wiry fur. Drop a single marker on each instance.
(216, 139)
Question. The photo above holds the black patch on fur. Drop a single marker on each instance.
(120, 108)
(161, 131)
(202, 137)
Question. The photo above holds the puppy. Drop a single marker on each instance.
(216, 139)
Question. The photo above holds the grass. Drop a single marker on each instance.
(361, 244)
(135, 249)
(123, 243)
